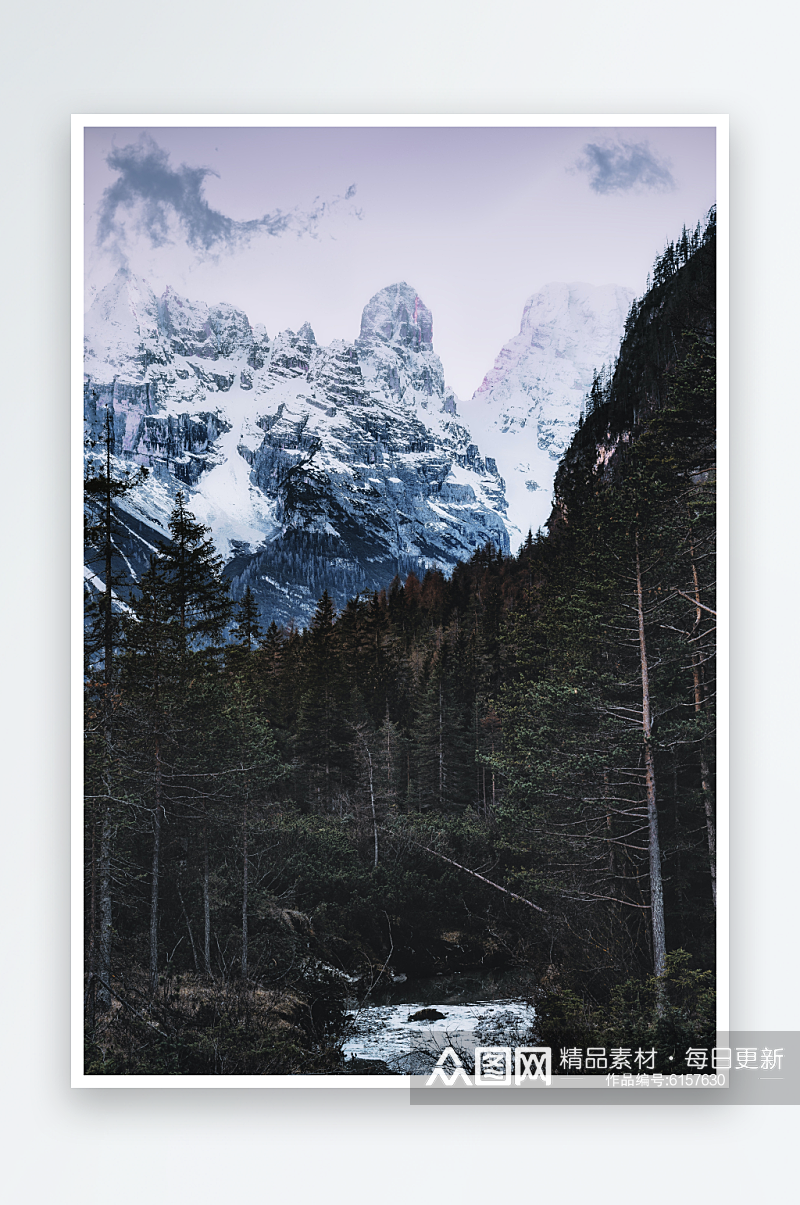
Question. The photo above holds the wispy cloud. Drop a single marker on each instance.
(625, 167)
(167, 204)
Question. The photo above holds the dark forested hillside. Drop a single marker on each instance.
(511, 769)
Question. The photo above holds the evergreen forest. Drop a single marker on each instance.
(509, 771)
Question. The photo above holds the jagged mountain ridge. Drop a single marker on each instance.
(528, 406)
(315, 467)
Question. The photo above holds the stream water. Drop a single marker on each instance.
(475, 1010)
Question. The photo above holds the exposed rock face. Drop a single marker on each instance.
(315, 467)
(397, 316)
(529, 404)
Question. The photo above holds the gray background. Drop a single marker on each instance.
(370, 56)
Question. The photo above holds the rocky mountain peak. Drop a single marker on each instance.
(121, 320)
(193, 328)
(397, 315)
(529, 403)
(570, 315)
(316, 467)
(127, 302)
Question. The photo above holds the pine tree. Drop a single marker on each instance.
(247, 632)
(443, 735)
(179, 616)
(190, 572)
(241, 764)
(102, 488)
(324, 735)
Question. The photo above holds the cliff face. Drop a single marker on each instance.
(315, 467)
(667, 352)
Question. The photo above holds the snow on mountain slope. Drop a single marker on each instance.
(528, 406)
(315, 467)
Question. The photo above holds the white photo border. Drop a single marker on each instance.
(82, 122)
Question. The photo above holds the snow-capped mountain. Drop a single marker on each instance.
(529, 404)
(315, 467)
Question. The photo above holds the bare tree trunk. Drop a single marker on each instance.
(91, 961)
(482, 878)
(612, 869)
(327, 754)
(154, 876)
(494, 801)
(441, 751)
(477, 763)
(104, 943)
(108, 631)
(711, 823)
(206, 908)
(705, 776)
(103, 995)
(656, 888)
(244, 896)
(372, 801)
(188, 926)
(678, 837)
(705, 782)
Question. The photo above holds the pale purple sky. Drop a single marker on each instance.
(475, 219)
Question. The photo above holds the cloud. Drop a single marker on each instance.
(168, 203)
(625, 167)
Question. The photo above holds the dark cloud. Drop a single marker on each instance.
(160, 194)
(625, 166)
